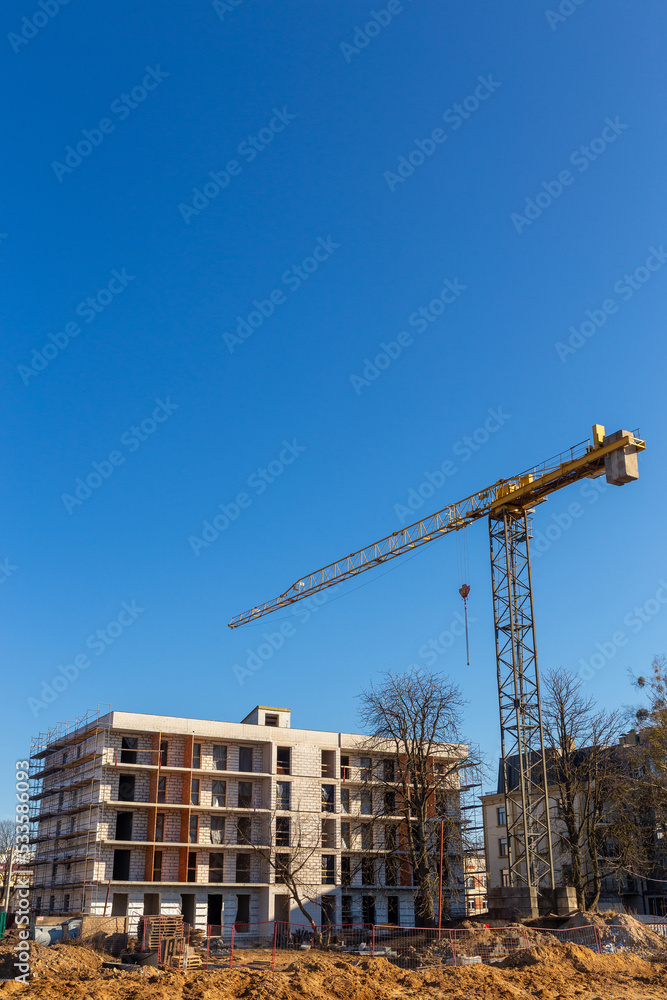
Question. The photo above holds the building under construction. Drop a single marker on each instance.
(142, 815)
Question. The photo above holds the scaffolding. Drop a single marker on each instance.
(53, 772)
(472, 835)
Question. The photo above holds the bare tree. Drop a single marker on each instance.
(646, 803)
(587, 773)
(413, 719)
(7, 841)
(293, 855)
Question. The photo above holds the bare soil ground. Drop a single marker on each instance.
(548, 972)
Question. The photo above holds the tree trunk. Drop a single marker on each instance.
(317, 937)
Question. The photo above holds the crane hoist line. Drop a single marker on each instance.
(507, 504)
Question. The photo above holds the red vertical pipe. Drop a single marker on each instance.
(442, 837)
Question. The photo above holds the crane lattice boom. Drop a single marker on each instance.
(584, 460)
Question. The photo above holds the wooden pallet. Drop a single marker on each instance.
(169, 927)
(192, 962)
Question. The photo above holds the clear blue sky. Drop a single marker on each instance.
(344, 152)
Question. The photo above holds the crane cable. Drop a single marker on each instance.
(463, 562)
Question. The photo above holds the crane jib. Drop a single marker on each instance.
(518, 494)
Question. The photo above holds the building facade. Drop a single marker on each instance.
(143, 814)
(623, 891)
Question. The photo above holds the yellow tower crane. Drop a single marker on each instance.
(507, 503)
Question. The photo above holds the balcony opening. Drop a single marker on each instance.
(244, 830)
(328, 869)
(216, 867)
(123, 826)
(328, 798)
(282, 865)
(219, 793)
(283, 795)
(128, 749)
(245, 795)
(393, 915)
(126, 783)
(220, 758)
(242, 867)
(121, 866)
(217, 829)
(282, 831)
(241, 924)
(329, 833)
(328, 763)
(283, 760)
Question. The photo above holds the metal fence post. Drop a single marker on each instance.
(373, 941)
(598, 939)
(273, 950)
(231, 949)
(208, 943)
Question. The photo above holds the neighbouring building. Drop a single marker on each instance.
(146, 814)
(632, 893)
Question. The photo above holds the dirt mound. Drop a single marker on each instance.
(555, 972)
(620, 930)
(579, 958)
(56, 959)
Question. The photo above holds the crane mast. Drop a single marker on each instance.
(508, 504)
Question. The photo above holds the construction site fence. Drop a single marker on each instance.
(268, 945)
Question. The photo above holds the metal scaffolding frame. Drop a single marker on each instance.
(530, 852)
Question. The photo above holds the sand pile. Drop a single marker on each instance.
(55, 959)
(620, 930)
(555, 972)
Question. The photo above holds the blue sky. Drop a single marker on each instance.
(199, 331)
